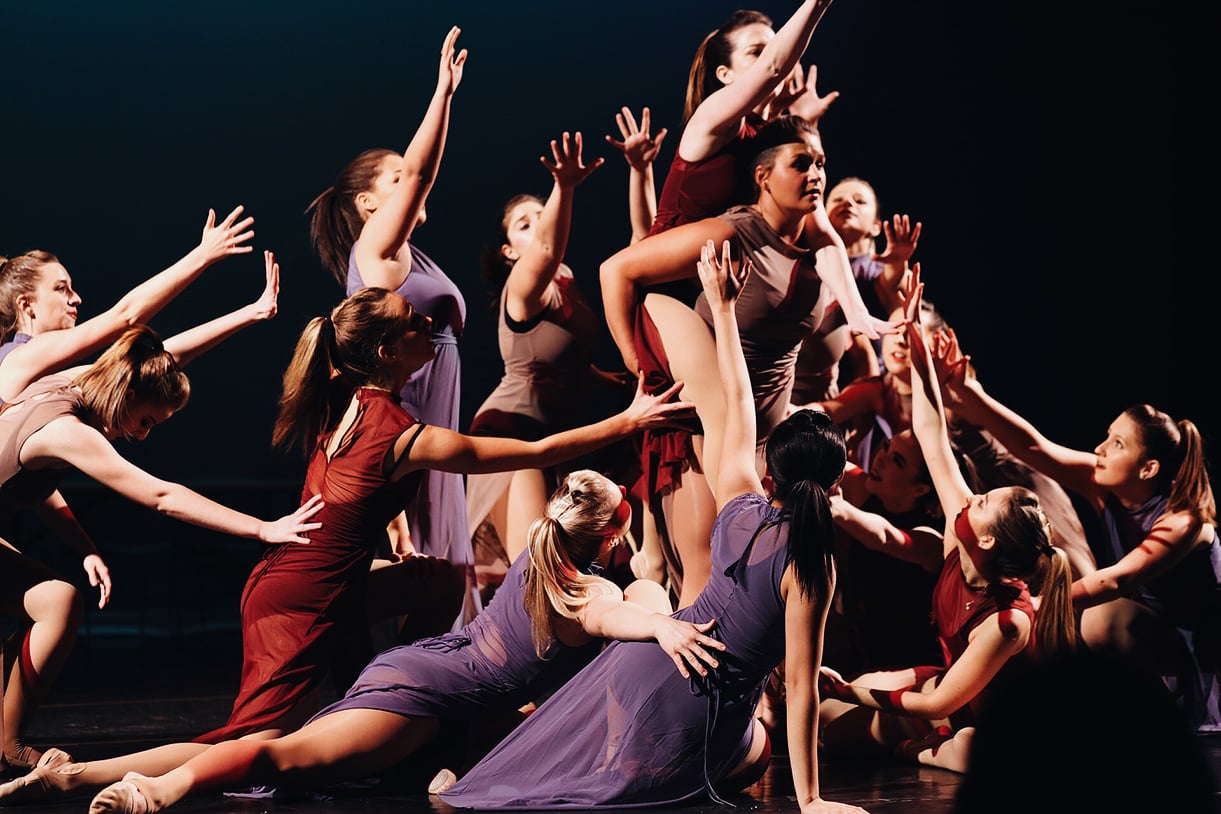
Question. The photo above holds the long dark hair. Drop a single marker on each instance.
(335, 222)
(494, 267)
(805, 457)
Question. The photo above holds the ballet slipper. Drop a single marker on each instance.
(22, 757)
(52, 758)
(123, 797)
(442, 782)
(48, 781)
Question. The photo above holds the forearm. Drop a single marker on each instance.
(177, 501)
(148, 298)
(871, 530)
(192, 343)
(554, 225)
(784, 50)
(422, 158)
(1096, 588)
(616, 618)
(801, 711)
(642, 201)
(835, 271)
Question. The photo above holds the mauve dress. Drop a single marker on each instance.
(545, 389)
(437, 513)
(628, 730)
(489, 665)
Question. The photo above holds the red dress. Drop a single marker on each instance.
(303, 608)
(958, 609)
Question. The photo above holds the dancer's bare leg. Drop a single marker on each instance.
(79, 778)
(56, 608)
(344, 745)
(689, 510)
(526, 498)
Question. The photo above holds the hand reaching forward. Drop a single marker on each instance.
(449, 77)
(222, 239)
(638, 147)
(266, 306)
(656, 411)
(567, 166)
(687, 645)
(291, 527)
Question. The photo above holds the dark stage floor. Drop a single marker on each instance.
(116, 698)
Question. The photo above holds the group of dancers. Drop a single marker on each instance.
(844, 542)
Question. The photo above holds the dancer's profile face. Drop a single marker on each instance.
(52, 305)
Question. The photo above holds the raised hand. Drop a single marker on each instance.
(800, 97)
(228, 237)
(722, 282)
(638, 147)
(656, 411)
(266, 306)
(687, 645)
(901, 239)
(450, 74)
(566, 164)
(291, 527)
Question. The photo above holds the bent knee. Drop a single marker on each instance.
(54, 600)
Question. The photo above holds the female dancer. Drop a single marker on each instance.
(625, 733)
(367, 455)
(361, 228)
(981, 605)
(48, 609)
(548, 333)
(781, 305)
(1155, 597)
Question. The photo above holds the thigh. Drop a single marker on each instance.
(348, 744)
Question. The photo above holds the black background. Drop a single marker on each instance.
(1045, 148)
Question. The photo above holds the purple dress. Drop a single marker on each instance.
(437, 514)
(628, 730)
(490, 665)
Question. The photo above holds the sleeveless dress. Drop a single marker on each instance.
(437, 513)
(781, 304)
(628, 730)
(45, 400)
(303, 607)
(1188, 596)
(490, 665)
(544, 390)
(958, 609)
